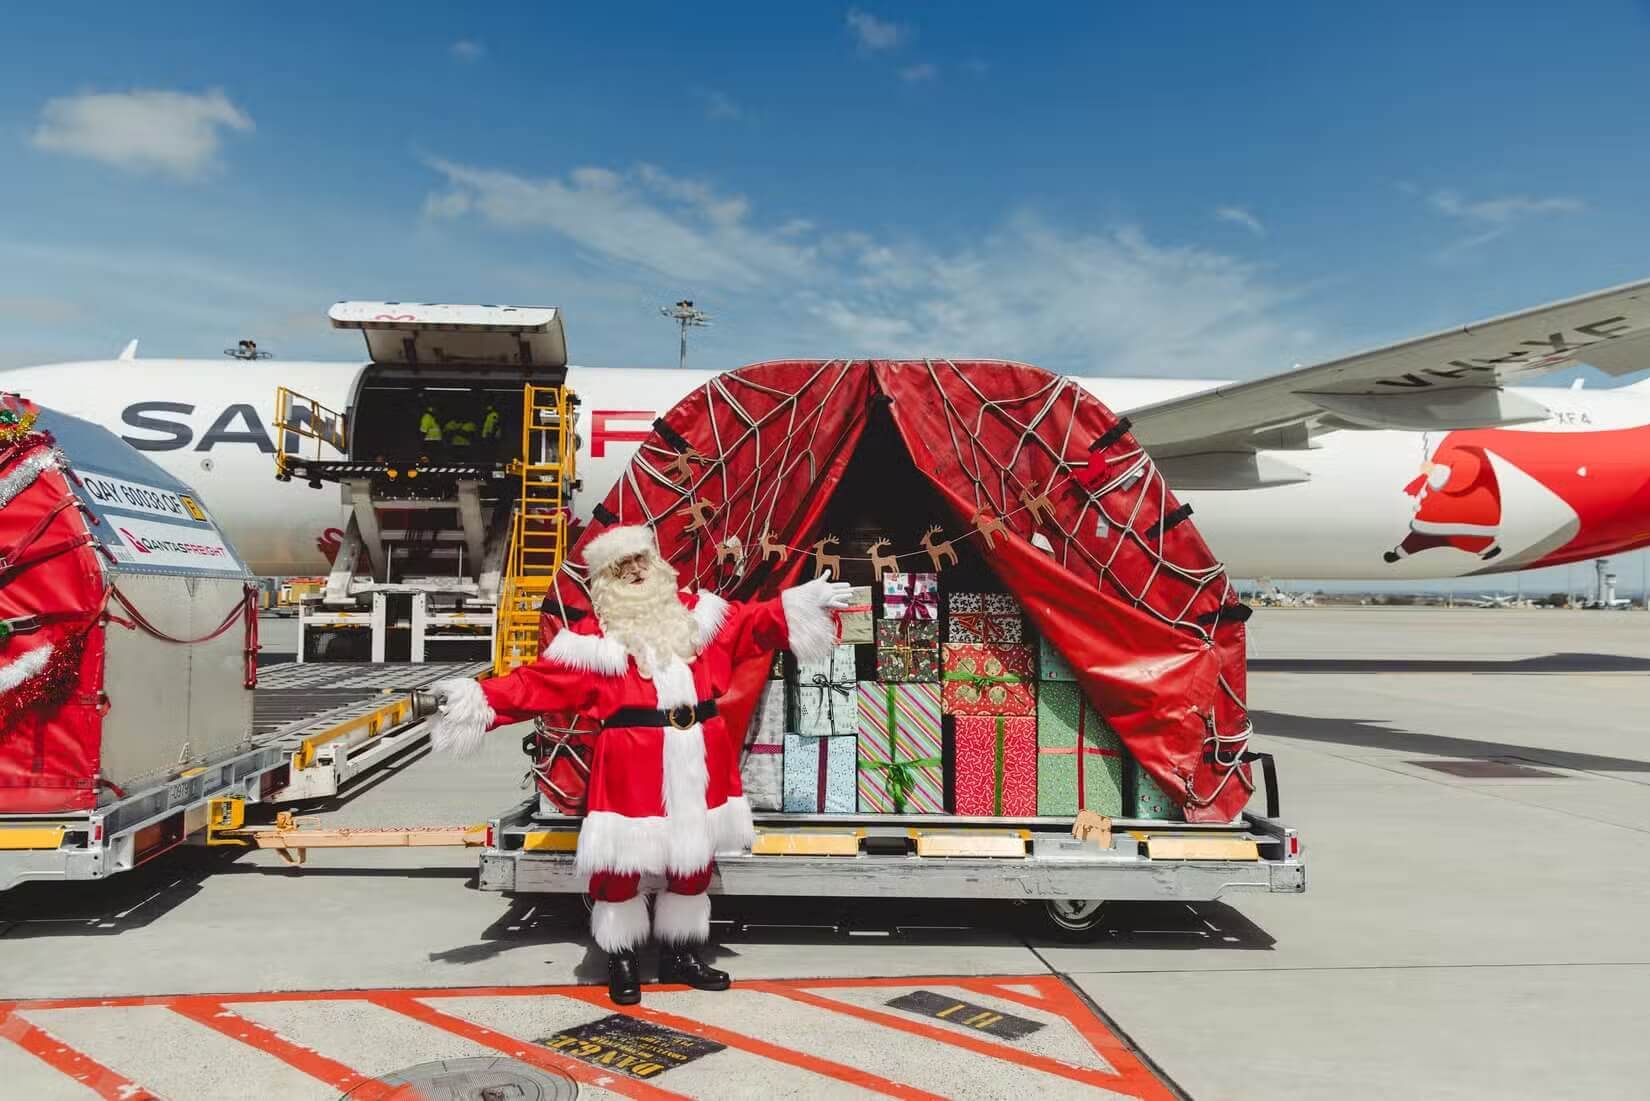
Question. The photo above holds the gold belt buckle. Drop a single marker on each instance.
(680, 716)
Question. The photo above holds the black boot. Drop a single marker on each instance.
(624, 978)
(681, 964)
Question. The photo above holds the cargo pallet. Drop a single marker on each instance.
(315, 728)
(1033, 860)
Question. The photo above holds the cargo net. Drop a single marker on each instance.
(1034, 453)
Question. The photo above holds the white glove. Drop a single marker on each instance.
(825, 593)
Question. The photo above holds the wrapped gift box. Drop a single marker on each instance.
(761, 770)
(1052, 664)
(1150, 800)
(901, 765)
(983, 617)
(908, 652)
(911, 597)
(1079, 758)
(854, 623)
(983, 679)
(996, 765)
(826, 704)
(820, 774)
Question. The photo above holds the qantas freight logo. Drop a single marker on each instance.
(151, 545)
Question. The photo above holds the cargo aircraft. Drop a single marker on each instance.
(1422, 459)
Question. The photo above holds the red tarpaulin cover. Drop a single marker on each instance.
(50, 720)
(1130, 594)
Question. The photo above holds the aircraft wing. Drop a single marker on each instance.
(1452, 379)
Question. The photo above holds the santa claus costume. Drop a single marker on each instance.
(664, 790)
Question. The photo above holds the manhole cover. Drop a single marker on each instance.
(481, 1078)
(1488, 770)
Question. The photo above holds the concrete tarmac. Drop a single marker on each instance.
(1461, 936)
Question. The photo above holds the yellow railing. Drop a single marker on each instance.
(299, 418)
(538, 532)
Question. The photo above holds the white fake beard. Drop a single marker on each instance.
(648, 620)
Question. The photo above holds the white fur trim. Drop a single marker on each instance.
(681, 919)
(808, 624)
(619, 926)
(23, 475)
(616, 543)
(710, 613)
(25, 667)
(674, 685)
(611, 842)
(464, 719)
(589, 653)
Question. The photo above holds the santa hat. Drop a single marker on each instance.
(616, 544)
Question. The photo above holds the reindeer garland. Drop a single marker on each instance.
(824, 561)
(938, 552)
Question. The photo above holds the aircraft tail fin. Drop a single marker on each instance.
(129, 353)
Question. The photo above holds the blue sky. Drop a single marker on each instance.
(1210, 190)
(1180, 190)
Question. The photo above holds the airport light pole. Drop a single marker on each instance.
(687, 317)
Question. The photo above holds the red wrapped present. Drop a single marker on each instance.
(996, 765)
(982, 679)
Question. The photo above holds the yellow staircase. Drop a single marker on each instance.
(538, 534)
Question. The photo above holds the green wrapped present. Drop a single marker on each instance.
(1052, 664)
(1150, 800)
(1079, 757)
(908, 652)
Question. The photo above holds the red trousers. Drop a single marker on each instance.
(612, 887)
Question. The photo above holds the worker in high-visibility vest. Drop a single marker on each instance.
(461, 431)
(491, 437)
(430, 434)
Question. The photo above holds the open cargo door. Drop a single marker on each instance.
(418, 333)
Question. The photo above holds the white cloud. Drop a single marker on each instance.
(677, 227)
(1238, 216)
(1100, 300)
(720, 105)
(1493, 217)
(466, 50)
(171, 132)
(916, 74)
(873, 34)
(1503, 210)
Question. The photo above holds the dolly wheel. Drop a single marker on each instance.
(1072, 918)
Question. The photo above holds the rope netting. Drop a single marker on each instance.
(734, 481)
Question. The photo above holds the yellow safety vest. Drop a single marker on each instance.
(489, 425)
(431, 427)
(458, 432)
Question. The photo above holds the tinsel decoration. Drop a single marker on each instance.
(23, 475)
(42, 678)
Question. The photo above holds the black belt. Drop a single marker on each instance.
(679, 717)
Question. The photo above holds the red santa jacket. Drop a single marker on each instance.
(662, 798)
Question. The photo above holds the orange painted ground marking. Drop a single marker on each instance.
(214, 1015)
(839, 1071)
(525, 1050)
(1054, 996)
(1115, 1082)
(66, 1060)
(1057, 997)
